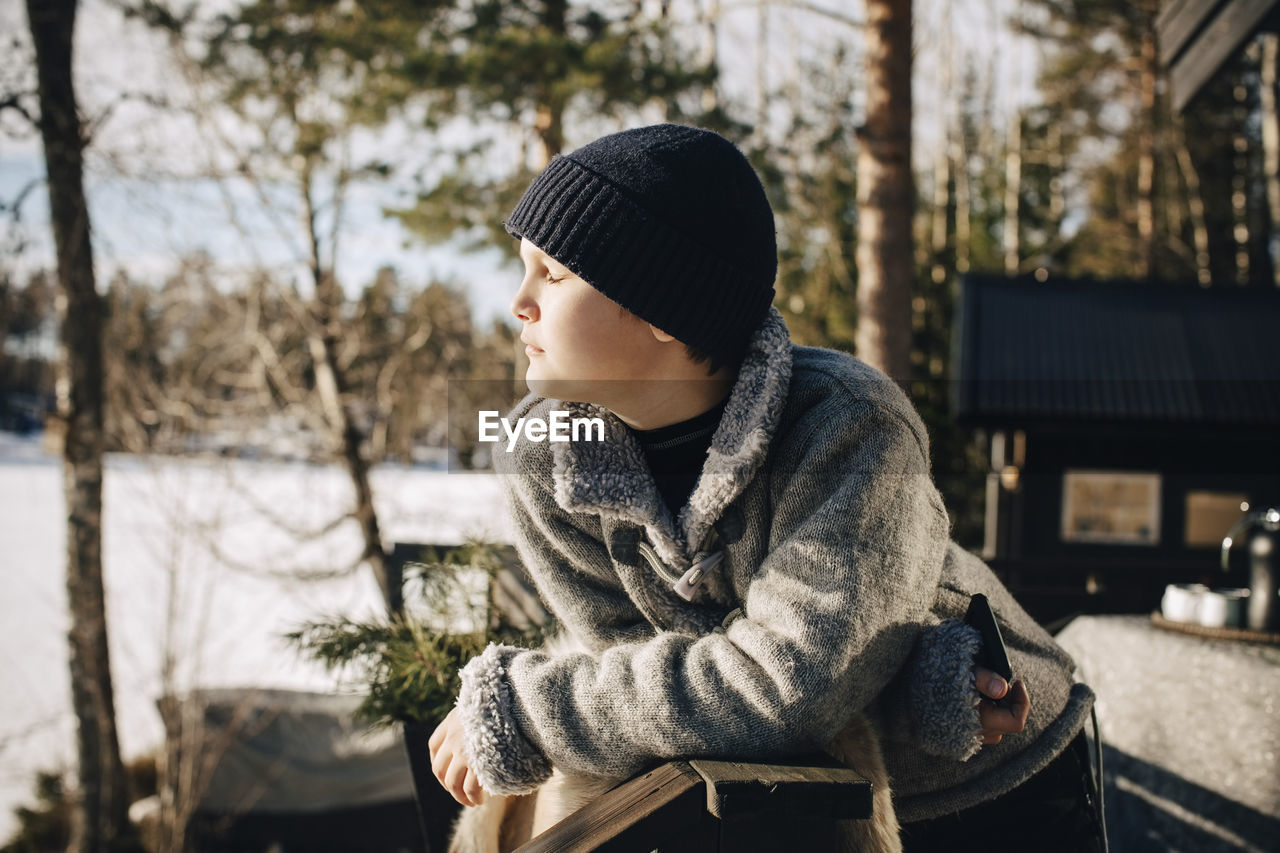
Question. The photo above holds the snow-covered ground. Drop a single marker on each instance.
(204, 562)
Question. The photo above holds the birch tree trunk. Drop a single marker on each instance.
(886, 193)
(100, 818)
(324, 340)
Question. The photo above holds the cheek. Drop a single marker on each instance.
(592, 326)
(592, 337)
(620, 341)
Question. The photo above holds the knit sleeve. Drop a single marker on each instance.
(942, 696)
(858, 537)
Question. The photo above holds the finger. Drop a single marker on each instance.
(991, 718)
(987, 740)
(453, 781)
(442, 731)
(471, 787)
(1019, 704)
(989, 684)
(997, 719)
(440, 764)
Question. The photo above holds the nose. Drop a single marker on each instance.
(524, 306)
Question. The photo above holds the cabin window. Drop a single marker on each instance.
(1211, 514)
(1111, 507)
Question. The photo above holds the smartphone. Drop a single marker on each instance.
(993, 654)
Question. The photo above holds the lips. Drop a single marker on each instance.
(529, 348)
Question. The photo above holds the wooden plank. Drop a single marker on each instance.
(1179, 21)
(662, 810)
(1220, 39)
(812, 788)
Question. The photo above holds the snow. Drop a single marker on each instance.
(202, 563)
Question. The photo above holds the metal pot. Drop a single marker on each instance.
(1261, 530)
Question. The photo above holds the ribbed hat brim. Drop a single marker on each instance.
(591, 226)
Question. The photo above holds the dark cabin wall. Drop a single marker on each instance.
(1053, 578)
(1187, 460)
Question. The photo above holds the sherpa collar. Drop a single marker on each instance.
(611, 478)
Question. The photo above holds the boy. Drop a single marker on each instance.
(756, 552)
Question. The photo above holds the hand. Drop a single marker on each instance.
(449, 764)
(1004, 719)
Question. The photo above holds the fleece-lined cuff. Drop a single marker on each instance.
(503, 758)
(944, 695)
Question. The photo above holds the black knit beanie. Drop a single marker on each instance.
(668, 221)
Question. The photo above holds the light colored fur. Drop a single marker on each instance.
(858, 747)
(502, 824)
(498, 825)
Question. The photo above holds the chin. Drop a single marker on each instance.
(568, 390)
(543, 385)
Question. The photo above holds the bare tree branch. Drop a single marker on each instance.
(93, 125)
(15, 207)
(14, 102)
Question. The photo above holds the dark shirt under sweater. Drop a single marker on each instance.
(676, 453)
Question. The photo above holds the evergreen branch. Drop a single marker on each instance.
(412, 673)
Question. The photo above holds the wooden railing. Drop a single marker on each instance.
(728, 806)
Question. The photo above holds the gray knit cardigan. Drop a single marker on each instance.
(839, 592)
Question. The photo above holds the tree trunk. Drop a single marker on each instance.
(1195, 207)
(710, 21)
(1057, 167)
(942, 164)
(100, 819)
(762, 70)
(1147, 152)
(963, 228)
(1239, 188)
(886, 193)
(549, 119)
(323, 342)
(1013, 195)
(1271, 144)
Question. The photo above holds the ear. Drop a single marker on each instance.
(660, 335)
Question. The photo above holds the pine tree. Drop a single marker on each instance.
(553, 72)
(810, 177)
(1161, 191)
(411, 665)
